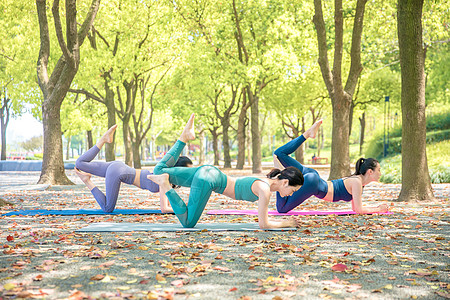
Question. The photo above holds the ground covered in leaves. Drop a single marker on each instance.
(399, 256)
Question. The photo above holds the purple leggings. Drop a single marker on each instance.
(114, 173)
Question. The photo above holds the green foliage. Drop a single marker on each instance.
(438, 164)
(38, 156)
(438, 129)
(32, 144)
(440, 121)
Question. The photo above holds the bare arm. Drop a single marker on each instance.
(263, 192)
(164, 203)
(357, 201)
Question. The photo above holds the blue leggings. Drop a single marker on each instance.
(313, 184)
(202, 180)
(114, 173)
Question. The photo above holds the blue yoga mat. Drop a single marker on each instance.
(126, 227)
(71, 212)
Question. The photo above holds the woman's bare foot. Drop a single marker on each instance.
(188, 132)
(108, 137)
(311, 132)
(162, 180)
(83, 175)
(109, 134)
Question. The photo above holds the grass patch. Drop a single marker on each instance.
(438, 165)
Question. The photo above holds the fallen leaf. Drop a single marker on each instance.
(160, 278)
(107, 279)
(77, 295)
(9, 286)
(339, 268)
(98, 277)
(223, 269)
(177, 283)
(38, 277)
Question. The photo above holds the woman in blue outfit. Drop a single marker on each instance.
(116, 172)
(204, 180)
(346, 189)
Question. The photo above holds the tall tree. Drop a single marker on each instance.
(416, 182)
(341, 96)
(55, 86)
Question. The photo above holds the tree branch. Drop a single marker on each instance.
(59, 34)
(322, 46)
(355, 53)
(88, 95)
(88, 21)
(338, 46)
(44, 50)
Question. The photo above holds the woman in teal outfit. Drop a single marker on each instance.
(204, 180)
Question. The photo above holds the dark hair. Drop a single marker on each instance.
(364, 164)
(183, 161)
(292, 174)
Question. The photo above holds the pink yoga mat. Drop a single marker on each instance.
(291, 213)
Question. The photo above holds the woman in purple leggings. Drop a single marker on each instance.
(116, 172)
(343, 189)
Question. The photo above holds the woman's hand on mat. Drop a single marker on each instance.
(383, 208)
(292, 222)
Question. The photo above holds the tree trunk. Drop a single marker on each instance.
(130, 88)
(299, 154)
(216, 149)
(350, 118)
(249, 146)
(136, 155)
(127, 142)
(241, 141)
(201, 137)
(340, 163)
(226, 143)
(52, 163)
(89, 139)
(4, 120)
(416, 182)
(256, 136)
(362, 122)
(111, 112)
(241, 136)
(69, 138)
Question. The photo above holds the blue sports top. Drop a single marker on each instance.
(340, 192)
(243, 189)
(146, 183)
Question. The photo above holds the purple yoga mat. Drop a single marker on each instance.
(291, 213)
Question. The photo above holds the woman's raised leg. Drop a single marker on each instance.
(98, 168)
(283, 152)
(178, 175)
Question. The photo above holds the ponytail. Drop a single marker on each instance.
(273, 173)
(183, 161)
(364, 164)
(292, 174)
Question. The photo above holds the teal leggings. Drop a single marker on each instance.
(202, 180)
